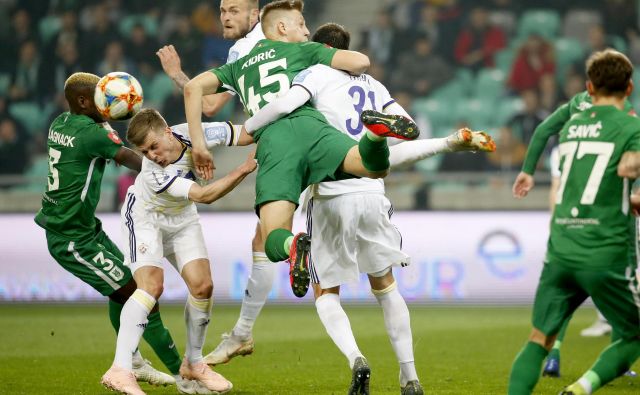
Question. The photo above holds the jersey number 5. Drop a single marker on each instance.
(53, 182)
(577, 150)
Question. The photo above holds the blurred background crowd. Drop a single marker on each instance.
(495, 65)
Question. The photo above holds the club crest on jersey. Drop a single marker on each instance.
(585, 131)
(142, 247)
(114, 137)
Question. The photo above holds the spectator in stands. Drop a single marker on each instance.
(450, 19)
(114, 60)
(621, 17)
(188, 43)
(26, 73)
(428, 25)
(13, 148)
(574, 83)
(524, 123)
(98, 35)
(535, 58)
(511, 153)
(478, 41)
(420, 71)
(67, 62)
(549, 93)
(21, 31)
(141, 49)
(379, 39)
(69, 32)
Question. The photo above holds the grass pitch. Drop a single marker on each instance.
(62, 349)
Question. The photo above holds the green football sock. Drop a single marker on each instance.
(555, 351)
(277, 244)
(160, 340)
(114, 314)
(613, 362)
(375, 154)
(525, 370)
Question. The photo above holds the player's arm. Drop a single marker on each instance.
(203, 84)
(128, 158)
(217, 189)
(220, 134)
(629, 166)
(286, 104)
(170, 61)
(352, 62)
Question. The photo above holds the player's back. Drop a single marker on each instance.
(592, 226)
(341, 98)
(78, 150)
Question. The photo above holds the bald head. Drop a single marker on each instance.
(79, 89)
(282, 20)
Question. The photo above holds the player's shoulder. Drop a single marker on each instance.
(181, 132)
(243, 46)
(580, 102)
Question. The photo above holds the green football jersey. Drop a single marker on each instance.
(554, 123)
(78, 150)
(267, 71)
(592, 226)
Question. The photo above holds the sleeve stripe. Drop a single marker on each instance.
(233, 137)
(305, 88)
(387, 104)
(167, 185)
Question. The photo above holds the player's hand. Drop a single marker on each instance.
(634, 199)
(250, 165)
(522, 185)
(203, 162)
(629, 166)
(170, 60)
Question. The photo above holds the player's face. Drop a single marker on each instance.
(160, 147)
(237, 18)
(297, 28)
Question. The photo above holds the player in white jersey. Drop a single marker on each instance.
(353, 216)
(240, 21)
(160, 220)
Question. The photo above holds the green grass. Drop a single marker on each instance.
(459, 350)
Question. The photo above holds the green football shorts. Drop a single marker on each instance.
(96, 261)
(296, 152)
(562, 290)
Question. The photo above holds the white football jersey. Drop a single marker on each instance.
(341, 98)
(166, 189)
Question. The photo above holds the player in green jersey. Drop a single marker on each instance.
(591, 248)
(79, 144)
(524, 182)
(300, 149)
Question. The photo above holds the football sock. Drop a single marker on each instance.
(337, 324)
(374, 153)
(161, 342)
(277, 244)
(412, 151)
(197, 313)
(555, 351)
(115, 309)
(133, 321)
(260, 282)
(398, 324)
(525, 370)
(614, 361)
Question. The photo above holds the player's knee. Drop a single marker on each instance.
(540, 338)
(203, 289)
(154, 289)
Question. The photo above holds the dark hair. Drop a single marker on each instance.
(610, 72)
(333, 35)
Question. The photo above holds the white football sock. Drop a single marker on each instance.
(337, 324)
(397, 321)
(133, 321)
(260, 282)
(197, 313)
(412, 151)
(601, 317)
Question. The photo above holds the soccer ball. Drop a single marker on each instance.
(118, 96)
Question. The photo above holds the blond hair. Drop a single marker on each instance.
(272, 11)
(78, 82)
(144, 122)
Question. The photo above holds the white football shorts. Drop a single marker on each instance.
(352, 234)
(152, 235)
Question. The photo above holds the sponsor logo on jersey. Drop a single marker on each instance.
(216, 133)
(270, 54)
(584, 106)
(585, 131)
(114, 137)
(61, 139)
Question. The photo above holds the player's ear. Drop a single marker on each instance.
(630, 88)
(282, 28)
(590, 88)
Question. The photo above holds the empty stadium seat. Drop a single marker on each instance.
(440, 113)
(490, 84)
(504, 59)
(568, 51)
(478, 113)
(577, 23)
(158, 89)
(545, 23)
(505, 109)
(48, 27)
(30, 114)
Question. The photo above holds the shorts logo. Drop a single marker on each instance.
(143, 248)
(109, 267)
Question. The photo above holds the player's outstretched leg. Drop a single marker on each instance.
(468, 140)
(361, 373)
(389, 125)
(281, 244)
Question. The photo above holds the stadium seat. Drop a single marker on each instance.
(504, 59)
(158, 89)
(506, 109)
(545, 23)
(438, 111)
(36, 175)
(568, 51)
(577, 23)
(617, 42)
(465, 80)
(490, 84)
(149, 23)
(451, 91)
(5, 81)
(48, 27)
(30, 114)
(477, 113)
